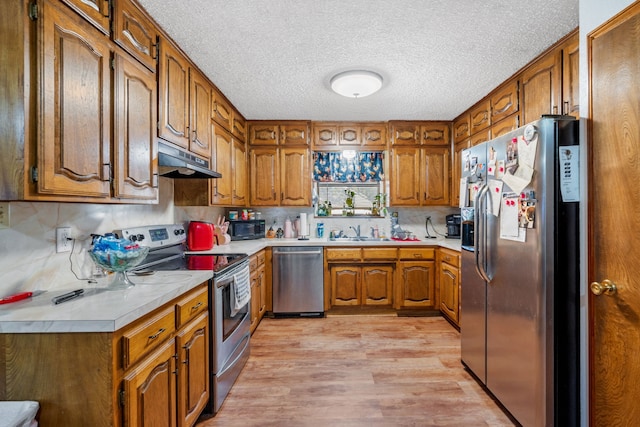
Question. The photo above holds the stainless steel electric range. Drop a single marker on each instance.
(229, 322)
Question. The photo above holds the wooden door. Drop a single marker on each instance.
(405, 176)
(265, 177)
(295, 177)
(294, 134)
(74, 106)
(504, 101)
(540, 91)
(325, 135)
(349, 134)
(457, 171)
(221, 111)
(374, 136)
(200, 110)
(405, 133)
(480, 117)
(135, 32)
(461, 128)
(345, 285)
(571, 77)
(263, 134)
(240, 194)
(173, 97)
(377, 285)
(436, 172)
(136, 149)
(193, 369)
(94, 11)
(222, 188)
(415, 284)
(435, 133)
(449, 291)
(614, 243)
(150, 390)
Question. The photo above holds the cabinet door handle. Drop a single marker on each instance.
(157, 334)
(565, 109)
(197, 306)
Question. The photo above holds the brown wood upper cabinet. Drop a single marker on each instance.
(135, 32)
(184, 101)
(504, 101)
(461, 128)
(340, 135)
(280, 176)
(541, 91)
(571, 77)
(480, 117)
(94, 11)
(294, 133)
(419, 133)
(223, 113)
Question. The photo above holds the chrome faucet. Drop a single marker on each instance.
(356, 229)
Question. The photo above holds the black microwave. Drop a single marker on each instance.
(247, 230)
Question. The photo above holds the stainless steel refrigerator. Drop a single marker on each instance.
(520, 270)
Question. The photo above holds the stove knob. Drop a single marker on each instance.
(176, 232)
(132, 238)
(140, 237)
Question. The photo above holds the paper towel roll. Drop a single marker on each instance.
(304, 228)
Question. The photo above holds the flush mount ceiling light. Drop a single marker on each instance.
(356, 83)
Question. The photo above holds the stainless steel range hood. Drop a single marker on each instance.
(179, 164)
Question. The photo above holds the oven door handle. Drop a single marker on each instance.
(228, 364)
(299, 253)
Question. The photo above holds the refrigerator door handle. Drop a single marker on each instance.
(480, 237)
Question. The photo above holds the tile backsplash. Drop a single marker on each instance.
(28, 260)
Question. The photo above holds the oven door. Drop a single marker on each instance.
(230, 329)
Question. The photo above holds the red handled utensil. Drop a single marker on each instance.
(19, 296)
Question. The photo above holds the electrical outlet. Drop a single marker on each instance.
(63, 239)
(4, 215)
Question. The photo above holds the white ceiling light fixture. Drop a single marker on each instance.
(356, 83)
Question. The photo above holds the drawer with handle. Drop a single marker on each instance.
(146, 335)
(191, 305)
(450, 257)
(416, 253)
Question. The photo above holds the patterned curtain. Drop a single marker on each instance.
(334, 167)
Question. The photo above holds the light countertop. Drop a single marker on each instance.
(103, 310)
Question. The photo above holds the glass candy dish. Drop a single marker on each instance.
(119, 262)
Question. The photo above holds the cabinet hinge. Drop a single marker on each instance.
(34, 174)
(113, 64)
(121, 398)
(33, 11)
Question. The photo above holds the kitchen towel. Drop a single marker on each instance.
(240, 290)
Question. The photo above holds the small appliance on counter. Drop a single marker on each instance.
(453, 226)
(200, 236)
(247, 230)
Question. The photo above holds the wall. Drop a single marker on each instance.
(28, 260)
(593, 13)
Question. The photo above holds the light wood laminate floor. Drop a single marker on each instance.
(353, 371)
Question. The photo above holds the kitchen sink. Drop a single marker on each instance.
(362, 239)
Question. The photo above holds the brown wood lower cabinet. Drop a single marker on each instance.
(449, 284)
(258, 288)
(415, 284)
(148, 373)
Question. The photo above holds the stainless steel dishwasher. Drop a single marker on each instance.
(298, 281)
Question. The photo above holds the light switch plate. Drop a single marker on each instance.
(5, 219)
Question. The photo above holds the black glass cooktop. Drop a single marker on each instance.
(218, 263)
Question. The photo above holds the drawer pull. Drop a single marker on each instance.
(417, 255)
(157, 334)
(197, 306)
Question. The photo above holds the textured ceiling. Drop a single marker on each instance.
(273, 59)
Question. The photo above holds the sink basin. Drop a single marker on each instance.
(363, 239)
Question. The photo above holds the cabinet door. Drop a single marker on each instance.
(262, 284)
(222, 188)
(193, 369)
(480, 117)
(150, 389)
(255, 302)
(374, 135)
(221, 111)
(135, 32)
(94, 11)
(239, 128)
(74, 107)
(377, 285)
(457, 171)
(405, 176)
(449, 291)
(415, 284)
(505, 126)
(435, 134)
(436, 162)
(265, 177)
(405, 133)
(295, 177)
(541, 84)
(349, 135)
(263, 134)
(461, 128)
(294, 134)
(504, 101)
(345, 285)
(200, 110)
(173, 99)
(325, 135)
(571, 78)
(240, 196)
(480, 137)
(135, 156)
